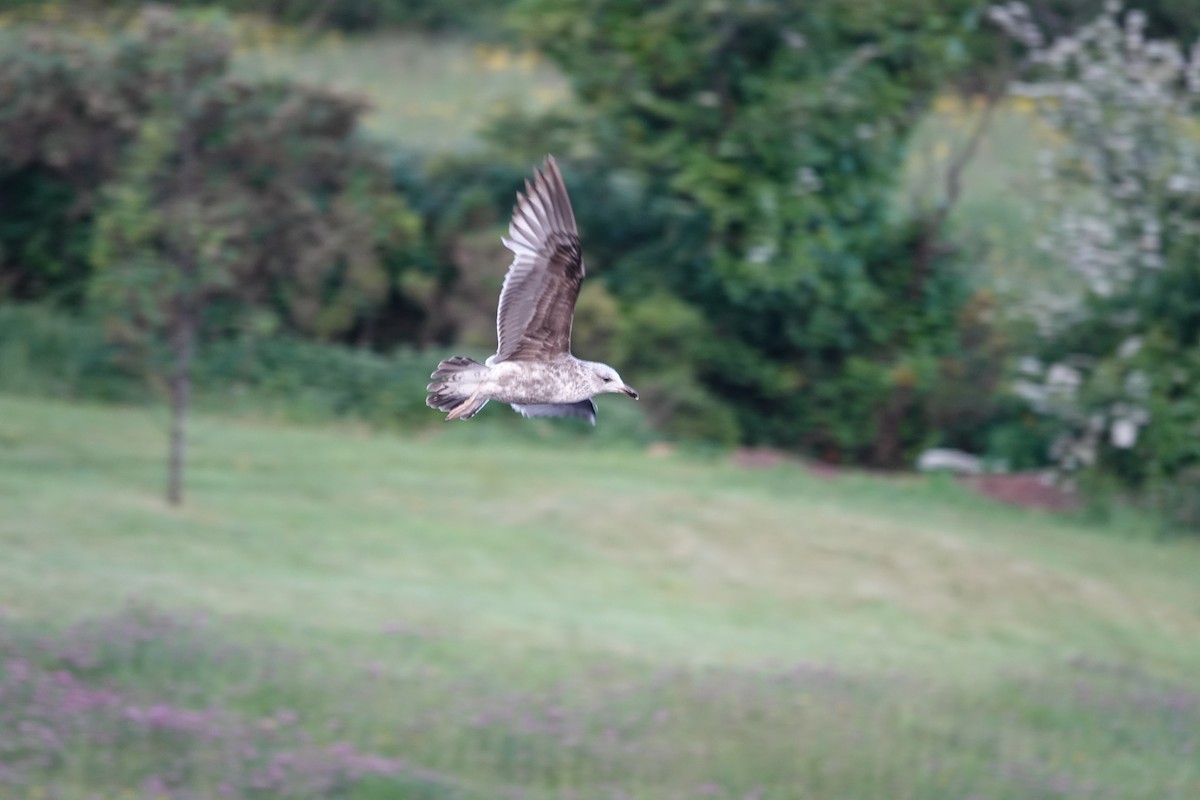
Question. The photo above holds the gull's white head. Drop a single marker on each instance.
(605, 379)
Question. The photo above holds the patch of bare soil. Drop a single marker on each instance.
(1024, 489)
(768, 458)
(759, 457)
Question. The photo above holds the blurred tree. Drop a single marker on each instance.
(239, 193)
(480, 18)
(1174, 19)
(756, 145)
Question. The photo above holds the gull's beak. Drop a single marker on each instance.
(629, 391)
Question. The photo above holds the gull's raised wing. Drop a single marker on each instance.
(537, 303)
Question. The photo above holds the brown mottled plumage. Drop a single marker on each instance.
(537, 302)
(533, 369)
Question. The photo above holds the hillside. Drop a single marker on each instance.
(950, 643)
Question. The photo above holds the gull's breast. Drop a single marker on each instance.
(538, 382)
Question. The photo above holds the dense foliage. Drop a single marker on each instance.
(1165, 19)
(755, 149)
(87, 123)
(68, 114)
(480, 17)
(254, 191)
(46, 352)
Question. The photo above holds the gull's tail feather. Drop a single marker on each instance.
(455, 388)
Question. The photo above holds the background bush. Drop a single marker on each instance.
(43, 351)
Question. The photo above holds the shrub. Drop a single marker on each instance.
(1119, 361)
(47, 352)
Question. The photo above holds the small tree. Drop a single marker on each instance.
(233, 192)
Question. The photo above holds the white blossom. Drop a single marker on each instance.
(1124, 434)
(807, 180)
(794, 39)
(1062, 377)
(1130, 347)
(761, 253)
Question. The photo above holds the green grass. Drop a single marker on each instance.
(701, 558)
(948, 646)
(425, 93)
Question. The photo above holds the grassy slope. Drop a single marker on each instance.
(610, 550)
(426, 93)
(950, 623)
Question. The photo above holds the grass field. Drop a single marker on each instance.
(425, 93)
(341, 613)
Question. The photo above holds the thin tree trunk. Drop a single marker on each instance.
(928, 245)
(183, 344)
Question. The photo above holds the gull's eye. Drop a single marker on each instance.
(606, 379)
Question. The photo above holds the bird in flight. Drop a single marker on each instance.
(533, 369)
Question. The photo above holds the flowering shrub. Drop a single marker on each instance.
(1120, 359)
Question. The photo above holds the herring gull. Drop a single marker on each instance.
(533, 369)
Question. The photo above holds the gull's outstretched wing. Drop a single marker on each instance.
(584, 409)
(537, 303)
